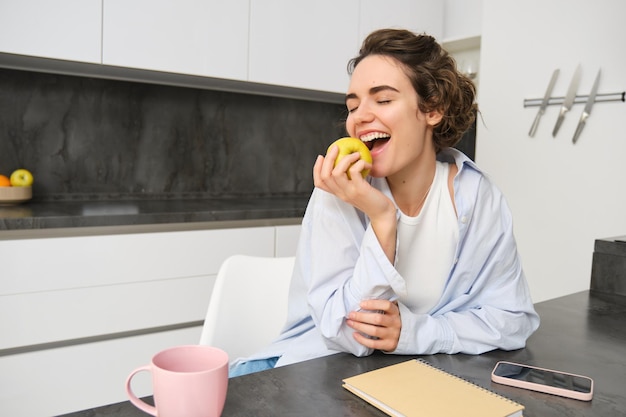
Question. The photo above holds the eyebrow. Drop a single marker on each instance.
(373, 90)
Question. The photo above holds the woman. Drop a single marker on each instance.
(419, 257)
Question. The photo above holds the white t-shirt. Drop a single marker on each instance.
(426, 245)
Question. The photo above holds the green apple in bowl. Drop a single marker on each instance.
(21, 178)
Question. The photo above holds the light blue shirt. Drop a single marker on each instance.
(485, 304)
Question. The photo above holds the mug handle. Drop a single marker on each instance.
(140, 404)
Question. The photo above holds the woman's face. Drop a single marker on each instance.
(383, 113)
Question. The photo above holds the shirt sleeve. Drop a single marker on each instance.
(342, 263)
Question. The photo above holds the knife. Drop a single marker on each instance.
(544, 103)
(587, 111)
(569, 100)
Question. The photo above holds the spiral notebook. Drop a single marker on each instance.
(416, 388)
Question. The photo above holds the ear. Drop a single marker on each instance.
(434, 117)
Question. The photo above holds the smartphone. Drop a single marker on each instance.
(544, 380)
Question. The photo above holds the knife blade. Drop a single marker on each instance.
(569, 100)
(544, 102)
(587, 111)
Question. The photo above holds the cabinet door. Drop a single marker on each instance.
(62, 29)
(420, 16)
(303, 44)
(197, 37)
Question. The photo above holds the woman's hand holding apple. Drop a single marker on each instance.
(331, 176)
(355, 190)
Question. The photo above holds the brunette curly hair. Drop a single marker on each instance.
(434, 76)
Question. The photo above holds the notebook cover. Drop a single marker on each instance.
(416, 388)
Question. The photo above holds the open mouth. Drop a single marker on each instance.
(374, 138)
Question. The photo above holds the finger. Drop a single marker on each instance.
(365, 341)
(355, 170)
(322, 170)
(317, 169)
(344, 164)
(365, 328)
(330, 158)
(384, 344)
(326, 169)
(389, 307)
(373, 318)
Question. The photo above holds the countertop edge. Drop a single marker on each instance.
(144, 228)
(79, 218)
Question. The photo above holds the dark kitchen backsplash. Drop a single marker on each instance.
(94, 138)
(88, 138)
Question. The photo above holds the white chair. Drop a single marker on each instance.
(248, 306)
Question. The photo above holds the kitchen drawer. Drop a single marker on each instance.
(73, 378)
(31, 319)
(31, 265)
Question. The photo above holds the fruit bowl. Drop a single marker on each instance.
(15, 195)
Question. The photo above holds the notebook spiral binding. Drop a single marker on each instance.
(467, 381)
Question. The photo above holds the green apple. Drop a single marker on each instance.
(349, 146)
(21, 178)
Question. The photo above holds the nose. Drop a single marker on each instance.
(363, 114)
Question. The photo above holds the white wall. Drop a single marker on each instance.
(563, 196)
(461, 18)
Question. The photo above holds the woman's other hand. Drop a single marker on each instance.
(377, 325)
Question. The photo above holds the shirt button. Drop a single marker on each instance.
(464, 219)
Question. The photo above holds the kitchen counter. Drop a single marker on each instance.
(249, 211)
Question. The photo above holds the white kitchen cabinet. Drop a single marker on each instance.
(308, 45)
(268, 43)
(151, 279)
(61, 29)
(420, 16)
(197, 37)
(78, 313)
(303, 44)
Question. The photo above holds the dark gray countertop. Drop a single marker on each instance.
(75, 214)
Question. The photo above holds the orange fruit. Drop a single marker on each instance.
(4, 181)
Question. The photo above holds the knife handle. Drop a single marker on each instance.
(579, 128)
(559, 121)
(533, 128)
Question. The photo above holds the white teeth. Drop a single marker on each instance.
(374, 135)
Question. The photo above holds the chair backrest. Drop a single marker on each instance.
(248, 305)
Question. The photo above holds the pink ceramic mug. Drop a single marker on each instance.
(188, 381)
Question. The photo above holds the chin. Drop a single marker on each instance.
(376, 173)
